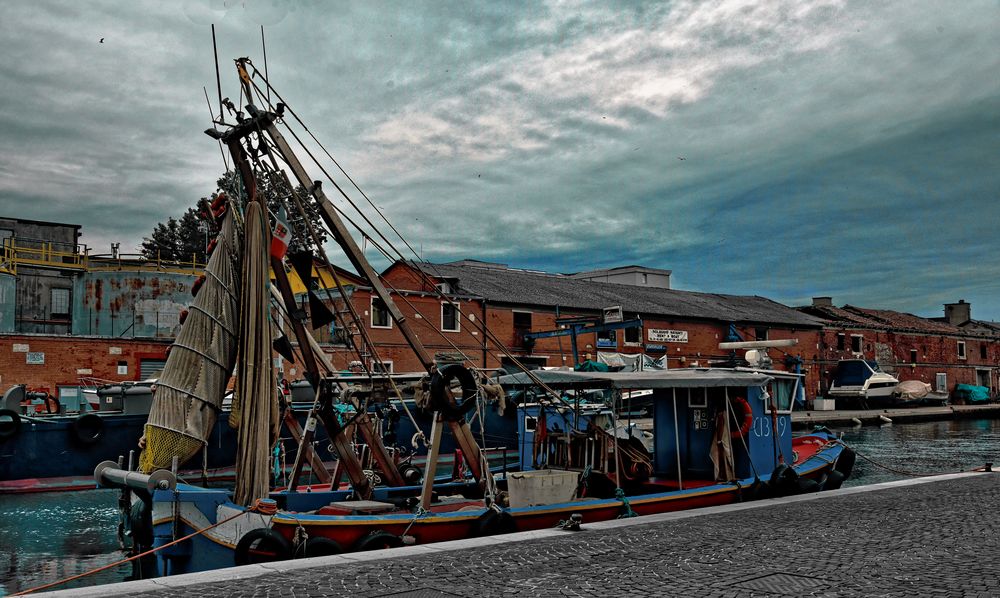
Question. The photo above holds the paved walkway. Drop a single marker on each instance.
(927, 537)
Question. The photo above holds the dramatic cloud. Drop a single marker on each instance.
(787, 149)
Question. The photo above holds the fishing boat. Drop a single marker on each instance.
(55, 450)
(719, 436)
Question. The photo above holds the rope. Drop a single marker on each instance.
(264, 507)
(900, 471)
(620, 495)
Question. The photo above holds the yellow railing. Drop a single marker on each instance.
(42, 254)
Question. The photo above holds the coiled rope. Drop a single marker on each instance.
(262, 506)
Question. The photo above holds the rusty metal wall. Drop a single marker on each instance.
(130, 304)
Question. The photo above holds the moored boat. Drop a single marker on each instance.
(862, 382)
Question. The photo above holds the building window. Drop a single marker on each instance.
(607, 339)
(633, 336)
(760, 334)
(913, 356)
(856, 340)
(380, 314)
(381, 367)
(522, 325)
(961, 349)
(59, 302)
(840, 342)
(449, 317)
(982, 350)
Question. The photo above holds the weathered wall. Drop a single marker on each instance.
(34, 311)
(52, 361)
(130, 304)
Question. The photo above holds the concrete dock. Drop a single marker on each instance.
(921, 537)
(845, 417)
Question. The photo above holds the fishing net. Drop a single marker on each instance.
(255, 406)
(189, 393)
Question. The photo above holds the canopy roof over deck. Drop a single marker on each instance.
(679, 378)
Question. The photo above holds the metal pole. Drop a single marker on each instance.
(677, 444)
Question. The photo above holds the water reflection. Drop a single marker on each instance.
(924, 448)
(46, 537)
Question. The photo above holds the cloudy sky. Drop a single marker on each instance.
(785, 149)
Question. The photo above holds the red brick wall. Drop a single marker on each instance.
(68, 358)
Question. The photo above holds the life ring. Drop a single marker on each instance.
(494, 523)
(440, 391)
(746, 419)
(10, 424)
(262, 545)
(317, 546)
(378, 540)
(88, 428)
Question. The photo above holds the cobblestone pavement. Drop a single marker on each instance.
(931, 539)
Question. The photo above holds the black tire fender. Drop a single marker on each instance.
(845, 462)
(440, 389)
(317, 546)
(262, 545)
(834, 479)
(10, 424)
(88, 428)
(377, 540)
(493, 523)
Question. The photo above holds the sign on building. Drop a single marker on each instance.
(613, 314)
(34, 358)
(20, 348)
(660, 335)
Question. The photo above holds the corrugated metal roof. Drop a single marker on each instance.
(520, 287)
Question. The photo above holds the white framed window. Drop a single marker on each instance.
(961, 349)
(607, 339)
(450, 317)
(380, 314)
(59, 302)
(381, 367)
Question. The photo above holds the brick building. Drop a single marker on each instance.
(943, 352)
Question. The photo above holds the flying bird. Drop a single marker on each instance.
(102, 40)
(681, 158)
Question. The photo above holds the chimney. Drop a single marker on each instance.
(822, 301)
(958, 313)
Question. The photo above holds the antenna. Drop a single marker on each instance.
(218, 81)
(266, 76)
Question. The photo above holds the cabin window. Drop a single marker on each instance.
(961, 349)
(380, 314)
(982, 350)
(633, 336)
(522, 325)
(856, 340)
(840, 342)
(449, 317)
(607, 339)
(59, 302)
(381, 367)
(913, 356)
(760, 334)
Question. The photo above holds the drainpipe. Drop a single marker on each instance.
(485, 334)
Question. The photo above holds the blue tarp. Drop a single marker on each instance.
(972, 394)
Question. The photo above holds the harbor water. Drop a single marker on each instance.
(48, 537)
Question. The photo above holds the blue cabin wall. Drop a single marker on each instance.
(695, 432)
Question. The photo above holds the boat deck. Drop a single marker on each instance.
(892, 539)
